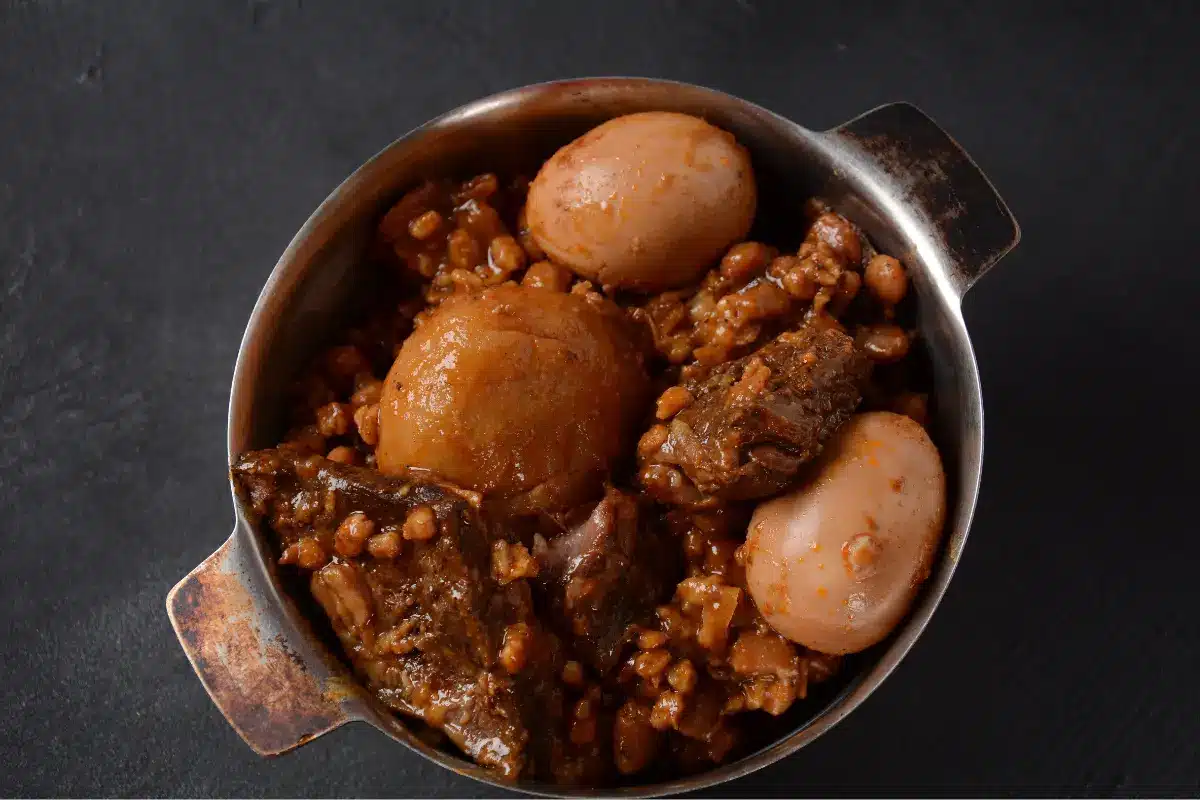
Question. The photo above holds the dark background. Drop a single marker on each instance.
(155, 159)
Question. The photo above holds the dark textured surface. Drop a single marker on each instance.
(155, 158)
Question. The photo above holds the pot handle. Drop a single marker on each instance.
(256, 678)
(935, 174)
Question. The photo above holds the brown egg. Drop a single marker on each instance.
(519, 393)
(834, 565)
(646, 201)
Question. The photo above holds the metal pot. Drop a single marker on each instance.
(892, 171)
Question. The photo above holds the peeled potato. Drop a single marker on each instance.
(647, 201)
(835, 564)
(519, 393)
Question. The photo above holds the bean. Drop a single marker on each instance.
(886, 279)
(884, 344)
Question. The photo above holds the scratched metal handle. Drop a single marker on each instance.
(936, 175)
(268, 693)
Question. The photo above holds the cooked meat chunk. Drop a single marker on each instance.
(607, 574)
(422, 618)
(748, 425)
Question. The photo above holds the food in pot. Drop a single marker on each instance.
(600, 481)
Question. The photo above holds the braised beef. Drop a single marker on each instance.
(605, 575)
(750, 424)
(432, 632)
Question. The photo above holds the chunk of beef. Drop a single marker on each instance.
(418, 612)
(605, 575)
(747, 426)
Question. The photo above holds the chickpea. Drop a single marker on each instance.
(343, 455)
(836, 231)
(650, 664)
(546, 275)
(370, 390)
(384, 545)
(366, 419)
(352, 534)
(426, 265)
(799, 277)
(650, 640)
(884, 344)
(506, 255)
(745, 261)
(333, 419)
(673, 401)
(682, 676)
(464, 250)
(886, 279)
(652, 440)
(425, 225)
(482, 221)
(420, 525)
(481, 187)
(310, 554)
(668, 708)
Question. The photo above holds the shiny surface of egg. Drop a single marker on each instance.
(834, 564)
(647, 201)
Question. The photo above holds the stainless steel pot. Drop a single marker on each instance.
(892, 170)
